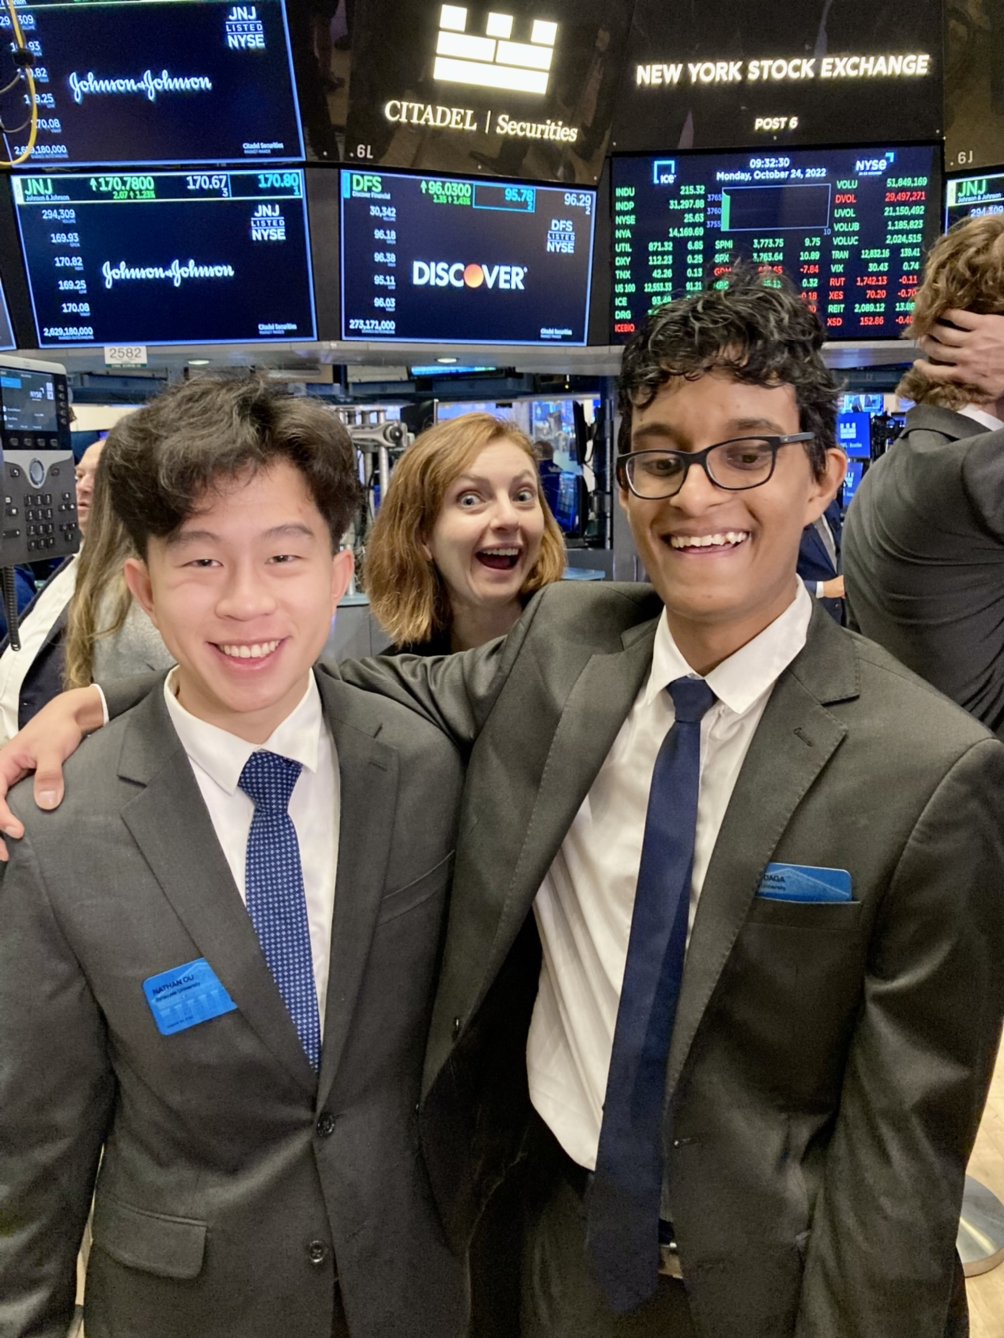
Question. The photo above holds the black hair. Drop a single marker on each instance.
(162, 460)
(751, 324)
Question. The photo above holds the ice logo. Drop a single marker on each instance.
(495, 60)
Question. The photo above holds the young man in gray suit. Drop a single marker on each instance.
(217, 958)
(728, 955)
(924, 539)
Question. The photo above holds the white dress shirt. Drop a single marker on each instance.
(584, 906)
(14, 664)
(218, 758)
(988, 420)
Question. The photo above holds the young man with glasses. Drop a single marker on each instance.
(727, 920)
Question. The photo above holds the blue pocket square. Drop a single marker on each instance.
(804, 882)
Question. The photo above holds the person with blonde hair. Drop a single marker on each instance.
(924, 537)
(463, 538)
(108, 635)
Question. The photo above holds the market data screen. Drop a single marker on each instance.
(167, 257)
(7, 340)
(972, 197)
(848, 226)
(162, 81)
(434, 260)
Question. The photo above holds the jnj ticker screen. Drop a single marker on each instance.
(434, 259)
(155, 81)
(849, 226)
(167, 257)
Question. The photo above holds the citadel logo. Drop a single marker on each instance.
(495, 60)
(441, 274)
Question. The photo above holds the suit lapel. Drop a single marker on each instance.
(793, 742)
(172, 829)
(368, 771)
(592, 715)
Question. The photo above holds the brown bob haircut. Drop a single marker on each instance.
(162, 460)
(965, 270)
(407, 594)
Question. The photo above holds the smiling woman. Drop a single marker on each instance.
(463, 538)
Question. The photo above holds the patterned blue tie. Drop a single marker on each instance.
(276, 900)
(623, 1227)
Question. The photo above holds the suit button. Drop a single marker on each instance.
(325, 1124)
(317, 1252)
(456, 1027)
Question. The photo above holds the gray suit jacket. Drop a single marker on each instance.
(924, 557)
(829, 1062)
(234, 1184)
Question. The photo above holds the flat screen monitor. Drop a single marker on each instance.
(854, 434)
(167, 257)
(446, 261)
(7, 340)
(849, 226)
(973, 196)
(163, 81)
(852, 481)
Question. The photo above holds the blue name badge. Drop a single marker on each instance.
(185, 996)
(804, 882)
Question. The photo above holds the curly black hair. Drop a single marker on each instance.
(750, 323)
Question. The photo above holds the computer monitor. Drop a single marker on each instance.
(849, 226)
(852, 480)
(974, 196)
(7, 339)
(208, 257)
(447, 261)
(164, 81)
(854, 434)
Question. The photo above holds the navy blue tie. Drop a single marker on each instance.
(276, 900)
(623, 1226)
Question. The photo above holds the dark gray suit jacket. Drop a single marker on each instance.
(234, 1184)
(924, 557)
(829, 1062)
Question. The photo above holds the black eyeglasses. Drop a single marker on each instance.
(736, 465)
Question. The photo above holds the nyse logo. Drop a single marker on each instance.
(495, 60)
(441, 274)
(244, 29)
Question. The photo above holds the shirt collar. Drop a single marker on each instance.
(746, 675)
(223, 755)
(978, 415)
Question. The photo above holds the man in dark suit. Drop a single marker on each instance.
(235, 1026)
(819, 560)
(924, 539)
(785, 1158)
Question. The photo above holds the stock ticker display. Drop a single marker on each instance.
(972, 197)
(434, 260)
(167, 257)
(162, 81)
(849, 226)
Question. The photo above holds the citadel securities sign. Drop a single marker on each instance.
(756, 73)
(518, 88)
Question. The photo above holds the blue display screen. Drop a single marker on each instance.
(167, 257)
(854, 434)
(852, 480)
(162, 81)
(849, 226)
(438, 260)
